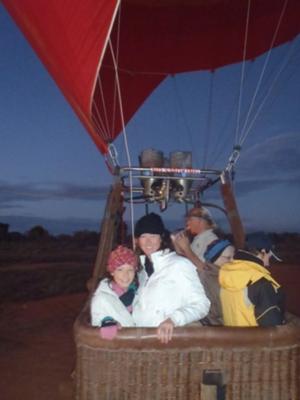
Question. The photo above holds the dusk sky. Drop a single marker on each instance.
(52, 173)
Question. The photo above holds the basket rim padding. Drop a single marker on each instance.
(191, 336)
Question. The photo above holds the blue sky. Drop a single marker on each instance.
(52, 173)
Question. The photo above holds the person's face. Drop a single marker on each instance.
(123, 275)
(225, 257)
(196, 225)
(149, 243)
(266, 258)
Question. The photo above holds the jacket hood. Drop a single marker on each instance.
(237, 274)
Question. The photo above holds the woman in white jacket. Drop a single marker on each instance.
(111, 304)
(170, 293)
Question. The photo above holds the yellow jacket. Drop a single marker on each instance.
(234, 279)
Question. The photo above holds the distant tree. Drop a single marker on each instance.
(86, 237)
(15, 237)
(63, 237)
(3, 230)
(37, 233)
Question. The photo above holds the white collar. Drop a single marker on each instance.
(155, 257)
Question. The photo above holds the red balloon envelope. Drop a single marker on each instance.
(84, 42)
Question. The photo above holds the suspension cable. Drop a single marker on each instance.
(117, 63)
(237, 149)
(240, 92)
(226, 128)
(242, 73)
(103, 122)
(125, 138)
(100, 124)
(271, 87)
(264, 67)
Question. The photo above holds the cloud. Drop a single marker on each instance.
(275, 161)
(12, 195)
(247, 186)
(276, 156)
(80, 192)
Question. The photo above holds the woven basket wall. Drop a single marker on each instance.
(255, 363)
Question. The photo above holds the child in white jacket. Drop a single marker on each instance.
(111, 304)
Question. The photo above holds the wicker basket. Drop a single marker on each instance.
(199, 363)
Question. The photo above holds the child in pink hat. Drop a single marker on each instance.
(111, 304)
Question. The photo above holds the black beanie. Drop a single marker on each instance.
(150, 223)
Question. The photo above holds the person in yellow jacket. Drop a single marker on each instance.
(249, 294)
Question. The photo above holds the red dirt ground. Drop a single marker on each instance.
(37, 351)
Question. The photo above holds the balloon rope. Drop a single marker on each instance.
(283, 65)
(225, 129)
(242, 73)
(114, 111)
(125, 138)
(105, 126)
(263, 69)
(101, 124)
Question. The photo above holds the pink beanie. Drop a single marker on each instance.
(120, 256)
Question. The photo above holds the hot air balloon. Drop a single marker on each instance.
(107, 57)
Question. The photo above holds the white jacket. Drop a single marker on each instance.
(106, 303)
(172, 291)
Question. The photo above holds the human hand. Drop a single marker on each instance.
(165, 331)
(109, 332)
(181, 243)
